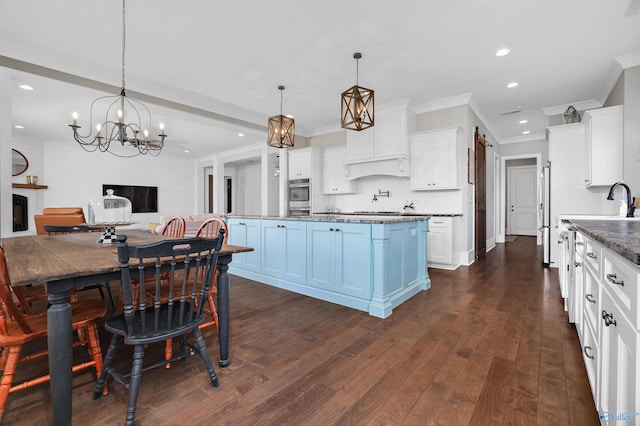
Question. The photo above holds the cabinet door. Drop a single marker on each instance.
(245, 232)
(321, 259)
(333, 178)
(619, 348)
(284, 250)
(434, 160)
(340, 257)
(300, 164)
(439, 242)
(604, 146)
(353, 259)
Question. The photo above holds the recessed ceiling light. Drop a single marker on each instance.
(186, 151)
(503, 52)
(523, 121)
(241, 134)
(25, 87)
(526, 132)
(17, 126)
(518, 107)
(512, 85)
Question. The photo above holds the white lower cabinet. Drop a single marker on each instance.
(440, 242)
(608, 328)
(619, 369)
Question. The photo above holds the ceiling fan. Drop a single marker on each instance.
(634, 7)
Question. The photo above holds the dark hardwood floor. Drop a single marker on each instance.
(487, 344)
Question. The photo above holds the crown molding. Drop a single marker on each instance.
(451, 102)
(580, 106)
(524, 138)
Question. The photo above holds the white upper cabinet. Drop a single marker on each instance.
(333, 173)
(434, 160)
(387, 138)
(604, 146)
(300, 164)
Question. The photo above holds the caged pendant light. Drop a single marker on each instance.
(281, 128)
(357, 105)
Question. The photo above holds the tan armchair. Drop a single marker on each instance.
(58, 216)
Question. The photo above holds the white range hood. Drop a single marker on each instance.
(396, 165)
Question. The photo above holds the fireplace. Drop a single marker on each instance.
(20, 213)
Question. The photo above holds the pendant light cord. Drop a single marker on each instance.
(124, 34)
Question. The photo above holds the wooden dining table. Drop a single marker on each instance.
(68, 261)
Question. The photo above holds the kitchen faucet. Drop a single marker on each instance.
(630, 201)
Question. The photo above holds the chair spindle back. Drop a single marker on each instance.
(187, 291)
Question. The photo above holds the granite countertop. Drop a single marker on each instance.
(621, 236)
(359, 218)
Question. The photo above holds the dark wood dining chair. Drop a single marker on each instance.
(70, 229)
(18, 329)
(210, 228)
(178, 316)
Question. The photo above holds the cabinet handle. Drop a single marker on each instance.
(331, 229)
(281, 226)
(592, 256)
(579, 243)
(590, 298)
(608, 319)
(612, 279)
(242, 223)
(587, 353)
(577, 264)
(439, 223)
(337, 229)
(560, 241)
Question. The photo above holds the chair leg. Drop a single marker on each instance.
(168, 352)
(202, 351)
(134, 384)
(7, 376)
(111, 353)
(95, 352)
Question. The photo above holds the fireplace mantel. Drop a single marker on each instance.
(28, 186)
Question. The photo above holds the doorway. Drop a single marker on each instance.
(522, 200)
(502, 212)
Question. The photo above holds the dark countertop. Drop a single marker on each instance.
(359, 218)
(621, 236)
(390, 214)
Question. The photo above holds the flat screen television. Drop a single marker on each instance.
(144, 199)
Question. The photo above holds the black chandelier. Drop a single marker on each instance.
(133, 134)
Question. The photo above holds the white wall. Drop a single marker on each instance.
(74, 177)
(247, 184)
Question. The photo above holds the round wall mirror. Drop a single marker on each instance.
(19, 163)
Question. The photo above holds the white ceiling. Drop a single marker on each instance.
(227, 58)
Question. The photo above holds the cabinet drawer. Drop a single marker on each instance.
(620, 277)
(591, 301)
(593, 255)
(590, 354)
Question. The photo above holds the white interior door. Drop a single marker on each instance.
(522, 202)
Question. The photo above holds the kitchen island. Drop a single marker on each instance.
(370, 263)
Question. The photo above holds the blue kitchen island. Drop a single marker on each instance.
(370, 263)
